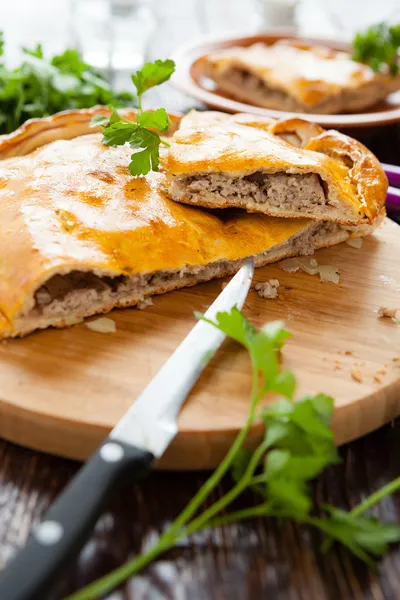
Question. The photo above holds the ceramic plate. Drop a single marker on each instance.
(191, 79)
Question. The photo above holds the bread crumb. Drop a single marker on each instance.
(356, 375)
(355, 242)
(378, 379)
(338, 367)
(382, 371)
(396, 358)
(348, 353)
(269, 289)
(290, 265)
(224, 284)
(102, 325)
(391, 313)
(145, 303)
(329, 273)
(308, 265)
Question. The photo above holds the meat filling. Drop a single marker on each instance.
(250, 87)
(273, 193)
(250, 83)
(81, 293)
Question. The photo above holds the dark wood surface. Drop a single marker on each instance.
(257, 559)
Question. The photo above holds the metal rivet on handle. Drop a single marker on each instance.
(49, 533)
(111, 452)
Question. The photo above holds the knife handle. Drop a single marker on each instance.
(69, 521)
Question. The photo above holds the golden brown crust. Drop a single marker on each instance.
(66, 125)
(72, 205)
(299, 77)
(240, 144)
(22, 326)
(365, 170)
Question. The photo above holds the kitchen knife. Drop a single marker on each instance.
(142, 436)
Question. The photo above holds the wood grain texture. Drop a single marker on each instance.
(246, 561)
(62, 391)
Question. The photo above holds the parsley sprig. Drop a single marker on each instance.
(297, 446)
(378, 46)
(39, 87)
(140, 135)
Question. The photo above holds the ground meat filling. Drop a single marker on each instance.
(293, 193)
(79, 292)
(249, 86)
(76, 291)
(251, 83)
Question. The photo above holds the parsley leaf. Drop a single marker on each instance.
(297, 446)
(99, 120)
(141, 135)
(234, 325)
(118, 134)
(156, 120)
(378, 47)
(40, 87)
(152, 74)
(365, 537)
(147, 157)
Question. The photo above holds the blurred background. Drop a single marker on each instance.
(116, 36)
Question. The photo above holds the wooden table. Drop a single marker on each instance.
(256, 559)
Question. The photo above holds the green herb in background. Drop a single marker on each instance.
(297, 447)
(140, 135)
(41, 87)
(378, 46)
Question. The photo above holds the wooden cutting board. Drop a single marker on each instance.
(62, 391)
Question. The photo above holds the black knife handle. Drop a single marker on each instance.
(69, 521)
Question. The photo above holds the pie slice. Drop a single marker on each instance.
(289, 168)
(298, 77)
(80, 236)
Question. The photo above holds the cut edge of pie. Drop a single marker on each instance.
(63, 291)
(344, 86)
(289, 168)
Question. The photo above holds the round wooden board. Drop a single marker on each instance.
(63, 390)
(189, 77)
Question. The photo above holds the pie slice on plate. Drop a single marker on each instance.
(298, 77)
(79, 235)
(289, 168)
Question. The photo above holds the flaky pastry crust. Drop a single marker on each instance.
(70, 209)
(239, 145)
(299, 78)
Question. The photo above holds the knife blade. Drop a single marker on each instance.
(141, 436)
(151, 422)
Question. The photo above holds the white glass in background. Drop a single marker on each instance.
(341, 19)
(112, 35)
(278, 14)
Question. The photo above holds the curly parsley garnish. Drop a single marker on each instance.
(378, 47)
(297, 446)
(140, 135)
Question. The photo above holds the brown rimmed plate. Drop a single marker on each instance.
(191, 79)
